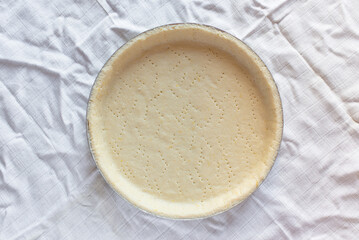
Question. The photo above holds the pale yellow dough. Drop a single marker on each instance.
(184, 121)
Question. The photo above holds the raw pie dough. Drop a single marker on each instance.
(184, 121)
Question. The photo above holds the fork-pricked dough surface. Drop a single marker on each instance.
(184, 128)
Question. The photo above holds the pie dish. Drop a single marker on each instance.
(184, 121)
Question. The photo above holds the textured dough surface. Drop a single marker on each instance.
(184, 128)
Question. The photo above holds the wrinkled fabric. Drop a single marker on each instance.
(50, 54)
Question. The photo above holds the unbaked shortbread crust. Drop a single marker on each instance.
(184, 121)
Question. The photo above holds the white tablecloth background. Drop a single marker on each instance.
(50, 53)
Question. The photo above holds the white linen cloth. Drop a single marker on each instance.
(50, 54)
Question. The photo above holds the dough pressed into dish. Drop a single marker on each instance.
(184, 121)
